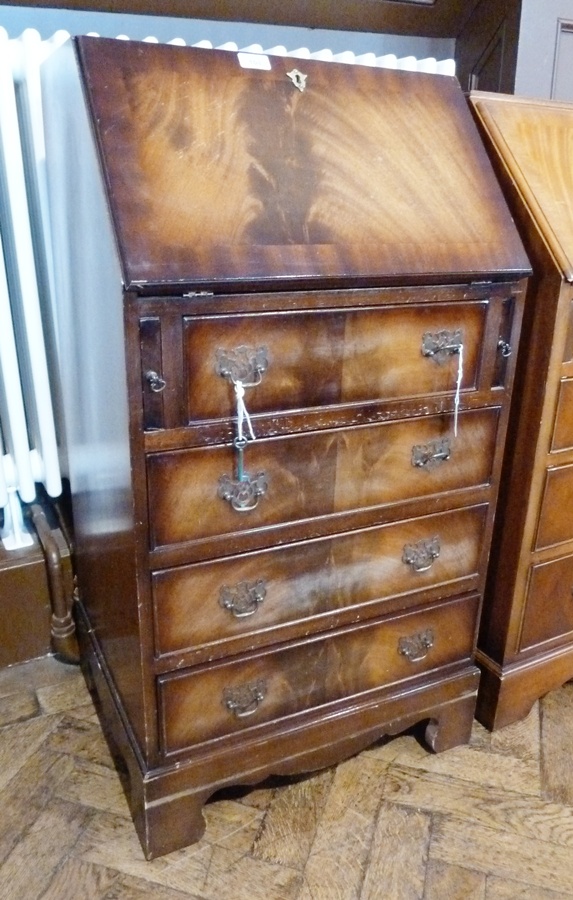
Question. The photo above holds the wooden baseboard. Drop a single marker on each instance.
(37, 590)
(24, 605)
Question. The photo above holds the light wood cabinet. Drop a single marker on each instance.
(295, 290)
(526, 640)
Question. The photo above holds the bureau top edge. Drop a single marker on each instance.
(333, 285)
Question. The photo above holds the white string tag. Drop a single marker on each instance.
(243, 416)
(458, 387)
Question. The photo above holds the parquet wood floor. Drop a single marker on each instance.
(492, 821)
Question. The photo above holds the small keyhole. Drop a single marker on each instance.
(298, 79)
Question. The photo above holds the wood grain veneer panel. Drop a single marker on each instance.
(555, 523)
(318, 474)
(548, 609)
(217, 173)
(313, 579)
(354, 356)
(563, 430)
(305, 675)
(535, 141)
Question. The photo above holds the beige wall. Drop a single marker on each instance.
(545, 55)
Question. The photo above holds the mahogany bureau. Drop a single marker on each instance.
(526, 639)
(288, 295)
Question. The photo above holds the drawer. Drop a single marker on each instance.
(555, 520)
(549, 602)
(318, 474)
(217, 700)
(563, 430)
(300, 360)
(256, 593)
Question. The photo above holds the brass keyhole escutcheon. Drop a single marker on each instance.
(298, 79)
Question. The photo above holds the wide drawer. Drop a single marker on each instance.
(317, 474)
(549, 604)
(555, 520)
(220, 699)
(299, 360)
(254, 594)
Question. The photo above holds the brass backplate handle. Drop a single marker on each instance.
(432, 454)
(244, 699)
(243, 493)
(442, 344)
(242, 364)
(243, 599)
(416, 646)
(421, 556)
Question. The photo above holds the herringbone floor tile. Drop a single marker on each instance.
(491, 821)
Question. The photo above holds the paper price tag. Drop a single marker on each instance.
(254, 61)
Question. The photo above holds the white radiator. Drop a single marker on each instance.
(429, 65)
(28, 447)
(28, 349)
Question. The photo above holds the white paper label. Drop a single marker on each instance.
(254, 61)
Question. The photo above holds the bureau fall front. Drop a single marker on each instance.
(290, 292)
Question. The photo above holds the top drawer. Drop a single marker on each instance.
(303, 359)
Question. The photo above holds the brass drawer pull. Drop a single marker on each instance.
(244, 367)
(420, 556)
(415, 648)
(244, 598)
(441, 344)
(244, 492)
(244, 700)
(242, 364)
(155, 381)
(432, 454)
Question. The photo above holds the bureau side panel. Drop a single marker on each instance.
(523, 473)
(94, 425)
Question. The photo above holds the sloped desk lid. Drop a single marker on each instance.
(534, 139)
(220, 174)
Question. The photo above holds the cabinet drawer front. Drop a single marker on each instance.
(563, 431)
(555, 520)
(549, 603)
(318, 474)
(214, 602)
(210, 702)
(329, 357)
